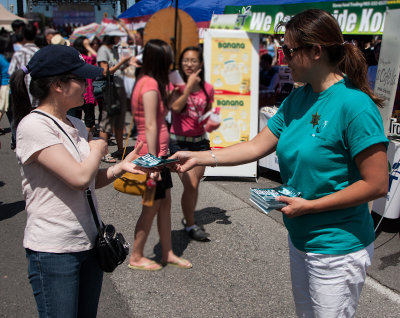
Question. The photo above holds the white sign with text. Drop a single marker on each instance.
(388, 71)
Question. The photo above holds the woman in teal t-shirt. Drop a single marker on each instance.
(331, 146)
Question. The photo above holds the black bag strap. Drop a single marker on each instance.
(87, 191)
(58, 125)
(93, 209)
(109, 87)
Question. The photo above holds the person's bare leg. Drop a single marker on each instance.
(103, 135)
(142, 231)
(164, 226)
(90, 130)
(164, 230)
(190, 180)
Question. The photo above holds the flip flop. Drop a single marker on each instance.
(146, 266)
(109, 159)
(182, 263)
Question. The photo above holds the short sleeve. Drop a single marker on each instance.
(4, 63)
(102, 55)
(13, 64)
(365, 130)
(276, 123)
(210, 92)
(28, 143)
(150, 84)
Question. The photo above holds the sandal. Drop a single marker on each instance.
(109, 159)
(148, 266)
(181, 263)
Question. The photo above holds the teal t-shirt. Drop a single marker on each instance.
(319, 136)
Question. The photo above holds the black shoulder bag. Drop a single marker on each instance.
(110, 247)
(112, 103)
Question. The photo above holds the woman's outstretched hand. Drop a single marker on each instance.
(186, 161)
(127, 164)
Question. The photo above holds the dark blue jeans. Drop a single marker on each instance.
(65, 284)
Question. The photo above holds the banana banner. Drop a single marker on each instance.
(231, 65)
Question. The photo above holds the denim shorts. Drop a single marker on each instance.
(175, 146)
(65, 285)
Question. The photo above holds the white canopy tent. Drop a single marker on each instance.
(6, 17)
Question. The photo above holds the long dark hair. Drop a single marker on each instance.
(201, 74)
(6, 46)
(157, 59)
(78, 45)
(39, 89)
(318, 27)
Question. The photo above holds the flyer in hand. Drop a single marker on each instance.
(265, 198)
(151, 161)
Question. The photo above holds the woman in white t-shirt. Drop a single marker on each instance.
(58, 161)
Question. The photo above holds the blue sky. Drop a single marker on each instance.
(6, 4)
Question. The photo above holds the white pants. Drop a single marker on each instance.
(328, 286)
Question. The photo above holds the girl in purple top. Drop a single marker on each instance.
(187, 133)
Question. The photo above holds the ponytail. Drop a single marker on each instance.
(355, 67)
(21, 103)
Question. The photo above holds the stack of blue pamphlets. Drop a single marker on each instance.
(150, 161)
(265, 198)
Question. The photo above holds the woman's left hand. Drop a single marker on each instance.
(295, 206)
(127, 164)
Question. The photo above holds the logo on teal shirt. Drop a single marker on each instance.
(315, 122)
(315, 119)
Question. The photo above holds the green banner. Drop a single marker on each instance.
(354, 17)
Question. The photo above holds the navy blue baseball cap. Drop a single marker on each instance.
(55, 60)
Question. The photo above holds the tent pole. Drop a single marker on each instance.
(20, 8)
(175, 32)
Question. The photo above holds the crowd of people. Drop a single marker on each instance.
(272, 91)
(334, 115)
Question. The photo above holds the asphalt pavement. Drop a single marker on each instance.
(243, 271)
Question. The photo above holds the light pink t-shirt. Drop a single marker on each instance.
(144, 85)
(186, 123)
(59, 219)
